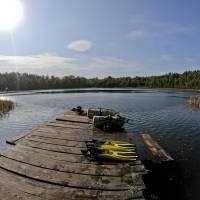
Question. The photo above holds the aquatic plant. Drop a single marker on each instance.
(194, 101)
(5, 106)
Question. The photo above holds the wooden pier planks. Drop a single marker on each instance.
(14, 140)
(74, 118)
(21, 187)
(155, 148)
(44, 161)
(47, 163)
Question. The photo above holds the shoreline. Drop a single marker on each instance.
(93, 89)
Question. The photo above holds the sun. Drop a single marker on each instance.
(11, 12)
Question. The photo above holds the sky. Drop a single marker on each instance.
(100, 38)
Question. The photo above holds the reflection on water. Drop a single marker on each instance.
(163, 113)
(4, 115)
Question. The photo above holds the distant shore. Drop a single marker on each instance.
(73, 90)
(22, 81)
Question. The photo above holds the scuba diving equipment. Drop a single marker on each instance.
(110, 150)
(109, 122)
(109, 155)
(100, 112)
(111, 145)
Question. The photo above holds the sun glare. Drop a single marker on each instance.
(11, 12)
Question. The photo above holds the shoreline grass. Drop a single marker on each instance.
(194, 101)
(6, 106)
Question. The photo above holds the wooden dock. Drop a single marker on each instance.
(46, 163)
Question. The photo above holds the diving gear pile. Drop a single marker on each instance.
(115, 122)
(105, 119)
(111, 150)
(91, 112)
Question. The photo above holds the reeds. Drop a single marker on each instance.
(6, 106)
(194, 101)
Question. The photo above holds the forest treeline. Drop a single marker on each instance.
(16, 81)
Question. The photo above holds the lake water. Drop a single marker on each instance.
(163, 113)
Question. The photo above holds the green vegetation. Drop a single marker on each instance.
(194, 101)
(17, 81)
(5, 106)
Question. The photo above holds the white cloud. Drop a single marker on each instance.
(51, 64)
(80, 45)
(138, 19)
(147, 28)
(189, 59)
(186, 29)
(35, 61)
(45, 63)
(107, 62)
(167, 57)
(141, 34)
(105, 66)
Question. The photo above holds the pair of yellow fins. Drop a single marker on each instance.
(115, 150)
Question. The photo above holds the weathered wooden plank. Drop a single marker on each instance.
(78, 138)
(66, 131)
(14, 140)
(70, 179)
(69, 137)
(44, 161)
(69, 157)
(10, 193)
(72, 125)
(155, 148)
(69, 132)
(51, 147)
(70, 112)
(94, 133)
(63, 127)
(76, 158)
(75, 118)
(109, 136)
(55, 192)
(54, 155)
(56, 141)
(37, 134)
(81, 136)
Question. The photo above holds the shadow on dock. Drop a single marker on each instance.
(164, 181)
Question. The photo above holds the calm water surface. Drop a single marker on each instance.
(163, 113)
